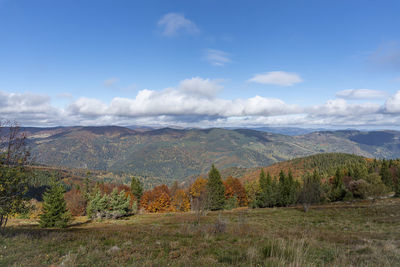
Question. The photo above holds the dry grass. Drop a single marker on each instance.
(352, 234)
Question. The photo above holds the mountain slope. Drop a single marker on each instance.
(176, 154)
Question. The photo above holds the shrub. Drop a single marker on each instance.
(114, 205)
(76, 202)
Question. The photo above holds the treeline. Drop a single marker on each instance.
(358, 179)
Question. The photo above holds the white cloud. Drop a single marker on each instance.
(392, 104)
(217, 57)
(28, 109)
(360, 94)
(280, 78)
(199, 86)
(194, 102)
(110, 82)
(340, 107)
(174, 23)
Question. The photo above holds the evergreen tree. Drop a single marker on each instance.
(311, 191)
(397, 187)
(267, 194)
(287, 189)
(263, 180)
(54, 209)
(136, 188)
(385, 174)
(97, 204)
(338, 190)
(215, 190)
(119, 203)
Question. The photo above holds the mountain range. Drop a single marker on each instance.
(176, 154)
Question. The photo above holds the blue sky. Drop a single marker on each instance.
(201, 63)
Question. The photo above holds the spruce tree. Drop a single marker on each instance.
(385, 174)
(215, 190)
(136, 188)
(338, 190)
(266, 197)
(397, 187)
(54, 209)
(263, 180)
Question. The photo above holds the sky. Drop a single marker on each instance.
(332, 64)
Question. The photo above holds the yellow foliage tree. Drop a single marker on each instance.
(180, 201)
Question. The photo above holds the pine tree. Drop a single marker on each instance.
(397, 187)
(385, 174)
(266, 197)
(263, 180)
(311, 191)
(54, 209)
(215, 190)
(338, 190)
(136, 188)
(119, 203)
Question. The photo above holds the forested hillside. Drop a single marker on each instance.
(173, 154)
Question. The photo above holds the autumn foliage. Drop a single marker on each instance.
(235, 189)
(76, 202)
(180, 201)
(198, 188)
(156, 200)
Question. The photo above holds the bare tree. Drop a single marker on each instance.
(14, 155)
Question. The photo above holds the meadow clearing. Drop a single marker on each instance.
(362, 233)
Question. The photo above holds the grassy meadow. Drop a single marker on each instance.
(362, 233)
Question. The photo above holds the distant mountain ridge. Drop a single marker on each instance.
(176, 154)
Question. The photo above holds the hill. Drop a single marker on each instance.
(326, 164)
(174, 154)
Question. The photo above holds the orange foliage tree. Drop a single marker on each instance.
(198, 188)
(235, 189)
(76, 202)
(156, 200)
(180, 201)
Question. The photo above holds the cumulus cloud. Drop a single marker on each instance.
(172, 24)
(392, 104)
(340, 107)
(217, 57)
(199, 86)
(26, 108)
(360, 94)
(194, 102)
(280, 78)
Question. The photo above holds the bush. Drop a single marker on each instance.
(113, 206)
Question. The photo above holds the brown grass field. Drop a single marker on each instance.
(362, 233)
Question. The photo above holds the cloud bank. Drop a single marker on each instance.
(194, 102)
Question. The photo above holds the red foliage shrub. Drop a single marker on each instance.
(76, 202)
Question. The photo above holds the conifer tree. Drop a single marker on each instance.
(136, 188)
(338, 191)
(54, 209)
(267, 195)
(385, 174)
(215, 190)
(397, 187)
(311, 190)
